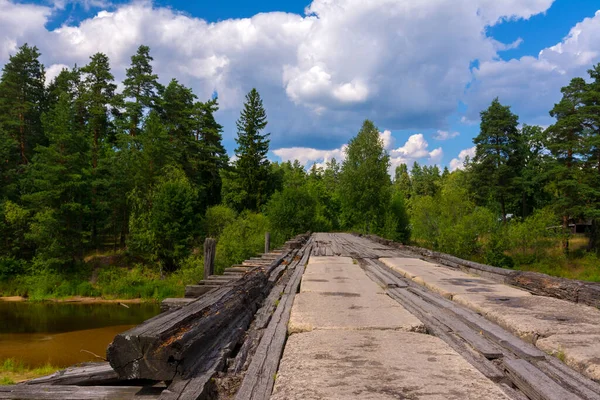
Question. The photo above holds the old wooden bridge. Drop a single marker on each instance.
(338, 316)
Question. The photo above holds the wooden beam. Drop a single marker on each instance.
(210, 246)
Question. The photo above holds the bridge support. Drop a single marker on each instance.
(267, 242)
(210, 248)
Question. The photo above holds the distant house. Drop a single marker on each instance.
(580, 225)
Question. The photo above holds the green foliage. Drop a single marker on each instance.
(531, 239)
(242, 239)
(292, 211)
(364, 180)
(163, 222)
(217, 219)
(397, 223)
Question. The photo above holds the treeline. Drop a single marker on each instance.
(523, 193)
(88, 169)
(141, 171)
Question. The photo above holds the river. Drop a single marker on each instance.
(62, 334)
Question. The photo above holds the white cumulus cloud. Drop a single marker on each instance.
(445, 135)
(458, 163)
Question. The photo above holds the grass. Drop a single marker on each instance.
(13, 371)
(114, 280)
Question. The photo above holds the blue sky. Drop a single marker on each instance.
(422, 70)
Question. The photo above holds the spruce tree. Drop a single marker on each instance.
(252, 166)
(364, 180)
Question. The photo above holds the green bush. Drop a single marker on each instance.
(240, 240)
(292, 211)
(11, 267)
(216, 219)
(531, 238)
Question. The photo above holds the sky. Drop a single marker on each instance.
(422, 70)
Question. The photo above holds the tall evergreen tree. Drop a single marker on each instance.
(252, 166)
(564, 139)
(364, 180)
(212, 156)
(497, 154)
(141, 89)
(60, 189)
(99, 99)
(22, 102)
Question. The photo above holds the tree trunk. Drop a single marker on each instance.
(565, 242)
(503, 209)
(593, 240)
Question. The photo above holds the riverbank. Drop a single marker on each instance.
(13, 371)
(78, 300)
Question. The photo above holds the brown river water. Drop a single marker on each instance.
(55, 333)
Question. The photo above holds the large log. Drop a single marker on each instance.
(87, 374)
(177, 342)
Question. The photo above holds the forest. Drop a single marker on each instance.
(111, 192)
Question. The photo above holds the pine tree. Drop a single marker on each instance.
(402, 180)
(364, 180)
(22, 102)
(252, 166)
(565, 139)
(99, 99)
(141, 88)
(60, 190)
(497, 154)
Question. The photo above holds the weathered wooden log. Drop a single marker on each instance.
(48, 392)
(175, 302)
(260, 377)
(194, 291)
(590, 294)
(545, 285)
(87, 374)
(534, 383)
(175, 343)
(267, 242)
(210, 246)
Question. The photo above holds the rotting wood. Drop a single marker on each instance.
(173, 343)
(210, 249)
(87, 374)
(61, 392)
(194, 291)
(534, 383)
(260, 377)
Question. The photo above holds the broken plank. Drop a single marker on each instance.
(534, 383)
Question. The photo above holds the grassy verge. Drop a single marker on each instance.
(13, 371)
(109, 281)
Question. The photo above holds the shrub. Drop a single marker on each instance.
(242, 239)
(292, 211)
(217, 218)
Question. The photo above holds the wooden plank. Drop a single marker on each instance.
(570, 379)
(87, 374)
(49, 392)
(260, 377)
(534, 383)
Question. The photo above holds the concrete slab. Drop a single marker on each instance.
(579, 351)
(380, 365)
(534, 317)
(332, 277)
(449, 282)
(350, 311)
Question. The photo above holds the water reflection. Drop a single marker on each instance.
(37, 333)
